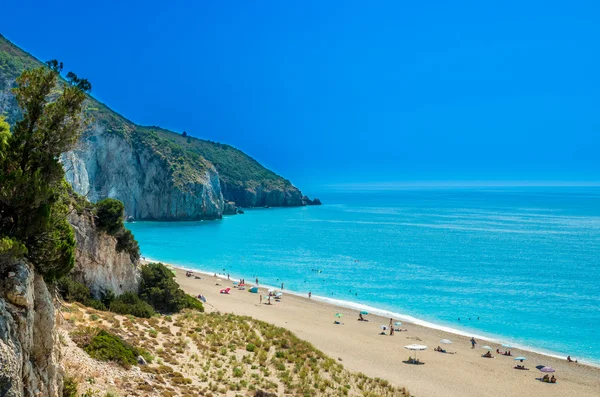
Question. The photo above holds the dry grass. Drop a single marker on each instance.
(223, 354)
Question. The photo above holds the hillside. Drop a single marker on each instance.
(157, 173)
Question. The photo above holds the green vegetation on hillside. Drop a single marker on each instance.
(209, 355)
(105, 346)
(187, 158)
(33, 197)
(159, 288)
(159, 292)
(109, 216)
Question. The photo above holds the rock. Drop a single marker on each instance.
(307, 201)
(98, 264)
(229, 208)
(106, 164)
(29, 347)
(240, 211)
(141, 360)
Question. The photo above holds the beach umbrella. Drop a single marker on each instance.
(364, 312)
(521, 359)
(446, 341)
(383, 327)
(486, 347)
(397, 323)
(270, 290)
(547, 369)
(279, 294)
(508, 346)
(338, 315)
(415, 348)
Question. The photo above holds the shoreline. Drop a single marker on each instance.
(497, 339)
(361, 348)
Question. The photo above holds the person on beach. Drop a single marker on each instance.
(256, 280)
(391, 326)
(282, 286)
(473, 343)
(228, 276)
(309, 295)
(260, 295)
(569, 359)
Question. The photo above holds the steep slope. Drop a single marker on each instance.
(158, 174)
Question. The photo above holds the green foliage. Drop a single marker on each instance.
(33, 201)
(105, 346)
(159, 288)
(130, 303)
(126, 242)
(69, 387)
(10, 248)
(109, 215)
(74, 291)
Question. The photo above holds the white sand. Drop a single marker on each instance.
(362, 349)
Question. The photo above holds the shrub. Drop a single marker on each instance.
(126, 242)
(72, 290)
(250, 347)
(159, 288)
(130, 303)
(69, 387)
(109, 215)
(105, 346)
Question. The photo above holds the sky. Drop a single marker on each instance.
(347, 92)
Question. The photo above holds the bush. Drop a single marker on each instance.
(74, 291)
(159, 288)
(108, 347)
(69, 387)
(109, 215)
(126, 242)
(130, 303)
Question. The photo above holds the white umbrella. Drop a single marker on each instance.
(486, 347)
(271, 290)
(446, 341)
(415, 348)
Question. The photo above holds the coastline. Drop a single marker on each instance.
(362, 349)
(497, 339)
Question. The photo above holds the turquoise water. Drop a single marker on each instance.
(525, 261)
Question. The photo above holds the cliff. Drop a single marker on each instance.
(98, 263)
(158, 174)
(29, 347)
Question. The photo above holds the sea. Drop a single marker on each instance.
(519, 266)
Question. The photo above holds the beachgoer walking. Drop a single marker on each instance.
(282, 286)
(473, 343)
(259, 294)
(309, 295)
(391, 326)
(228, 276)
(256, 280)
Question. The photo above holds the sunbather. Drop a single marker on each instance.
(546, 378)
(488, 355)
(553, 379)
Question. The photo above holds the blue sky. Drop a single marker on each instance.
(327, 92)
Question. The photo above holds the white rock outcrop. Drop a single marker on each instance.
(98, 264)
(29, 346)
(108, 164)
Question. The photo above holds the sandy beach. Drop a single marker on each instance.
(361, 348)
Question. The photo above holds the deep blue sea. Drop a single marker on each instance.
(525, 261)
